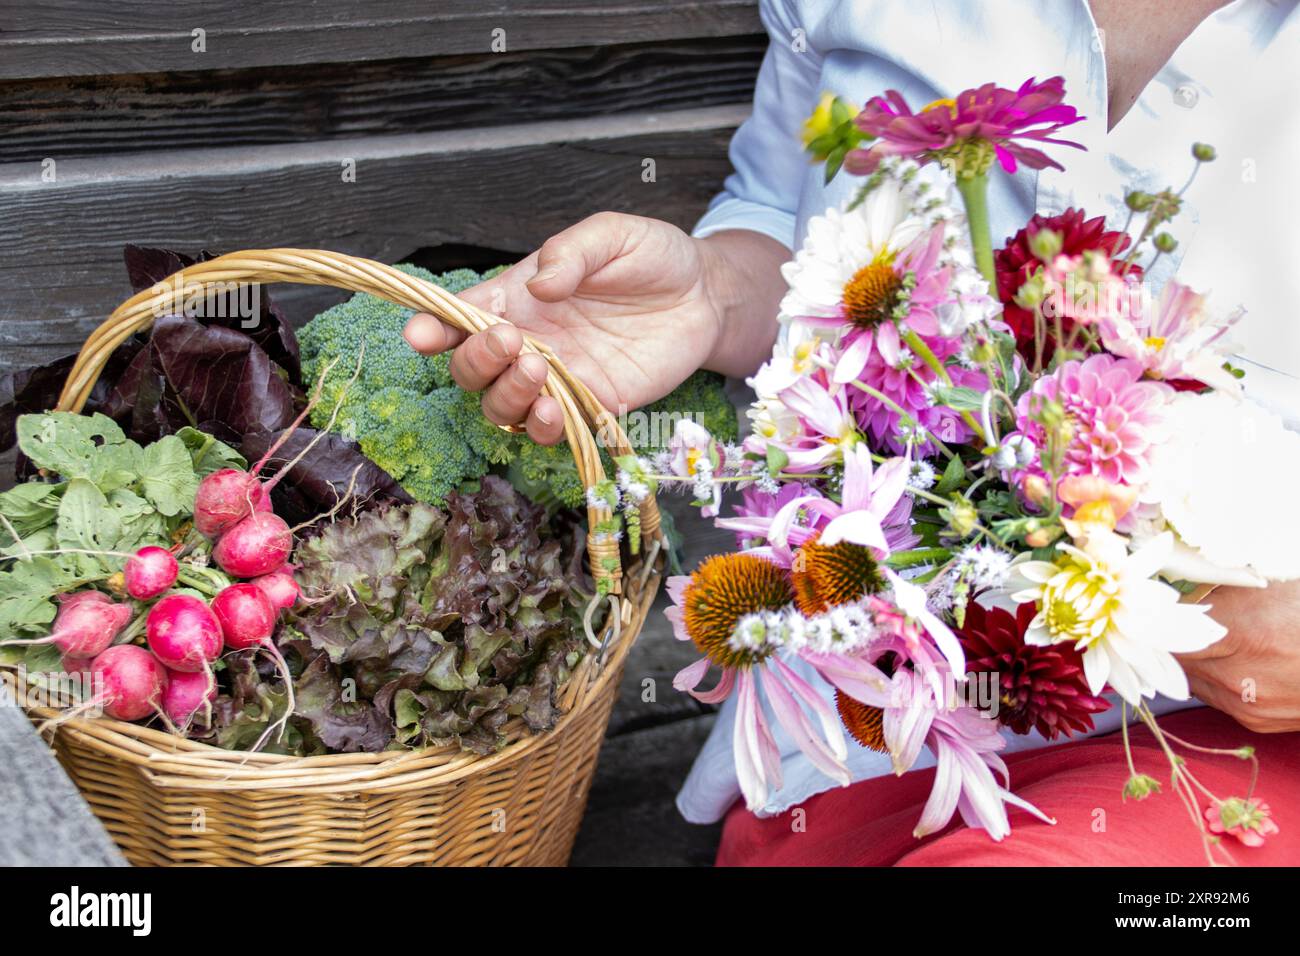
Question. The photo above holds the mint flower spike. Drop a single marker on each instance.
(966, 134)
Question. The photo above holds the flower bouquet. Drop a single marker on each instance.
(983, 492)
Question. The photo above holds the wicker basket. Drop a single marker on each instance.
(167, 800)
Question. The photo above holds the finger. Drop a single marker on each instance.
(428, 336)
(491, 295)
(545, 421)
(484, 356)
(568, 257)
(507, 400)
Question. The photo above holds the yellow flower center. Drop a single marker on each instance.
(945, 102)
(1079, 600)
(692, 459)
(872, 293)
(1156, 342)
(801, 360)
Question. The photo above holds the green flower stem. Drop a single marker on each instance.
(917, 557)
(975, 196)
(918, 346)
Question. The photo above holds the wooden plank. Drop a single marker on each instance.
(94, 116)
(45, 821)
(502, 188)
(76, 38)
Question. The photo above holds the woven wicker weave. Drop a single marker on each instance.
(167, 800)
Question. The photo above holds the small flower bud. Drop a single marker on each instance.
(962, 517)
(1139, 201)
(983, 351)
(1140, 786)
(1204, 152)
(1165, 242)
(1046, 244)
(1004, 457)
(1041, 537)
(1036, 490)
(1031, 292)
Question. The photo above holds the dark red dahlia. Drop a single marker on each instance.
(1042, 688)
(1014, 263)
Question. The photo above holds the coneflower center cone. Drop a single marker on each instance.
(724, 589)
(866, 724)
(828, 576)
(872, 293)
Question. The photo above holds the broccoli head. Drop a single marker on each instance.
(414, 422)
(411, 436)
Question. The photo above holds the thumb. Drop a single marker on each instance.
(569, 257)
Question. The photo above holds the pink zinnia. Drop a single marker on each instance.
(1114, 417)
(991, 113)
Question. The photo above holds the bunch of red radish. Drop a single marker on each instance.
(184, 633)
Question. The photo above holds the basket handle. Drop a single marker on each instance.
(583, 414)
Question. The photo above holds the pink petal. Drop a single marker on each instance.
(796, 724)
(689, 677)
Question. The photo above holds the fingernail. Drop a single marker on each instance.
(542, 417)
(532, 372)
(550, 272)
(497, 345)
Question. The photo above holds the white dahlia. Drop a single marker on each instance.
(1224, 481)
(1105, 601)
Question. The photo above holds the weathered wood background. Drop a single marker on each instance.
(474, 129)
(245, 140)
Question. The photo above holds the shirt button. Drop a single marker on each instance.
(1186, 96)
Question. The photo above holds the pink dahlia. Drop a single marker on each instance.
(1001, 117)
(1112, 416)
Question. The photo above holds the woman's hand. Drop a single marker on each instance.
(1253, 674)
(631, 305)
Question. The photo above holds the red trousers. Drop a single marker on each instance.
(1079, 783)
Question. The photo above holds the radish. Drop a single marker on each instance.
(130, 681)
(257, 545)
(149, 572)
(248, 620)
(246, 615)
(280, 587)
(229, 496)
(184, 633)
(85, 625)
(186, 694)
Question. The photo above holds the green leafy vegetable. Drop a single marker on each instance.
(422, 626)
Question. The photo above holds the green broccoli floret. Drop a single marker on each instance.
(339, 332)
(497, 445)
(548, 474)
(702, 397)
(411, 437)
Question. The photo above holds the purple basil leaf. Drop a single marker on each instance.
(219, 375)
(146, 267)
